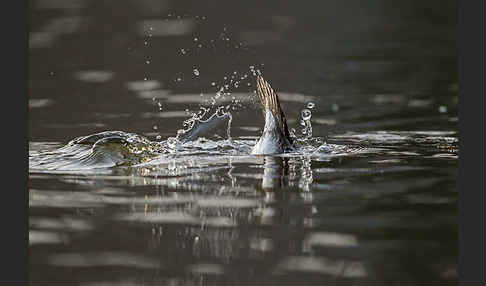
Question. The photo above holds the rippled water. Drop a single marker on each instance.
(142, 117)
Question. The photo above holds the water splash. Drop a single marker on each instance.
(306, 115)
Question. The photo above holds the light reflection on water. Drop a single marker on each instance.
(208, 212)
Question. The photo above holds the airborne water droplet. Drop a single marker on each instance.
(196, 72)
(306, 114)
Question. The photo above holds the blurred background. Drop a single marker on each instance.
(383, 73)
(108, 65)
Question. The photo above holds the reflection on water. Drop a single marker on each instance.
(174, 198)
(327, 215)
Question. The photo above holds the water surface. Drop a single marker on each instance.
(370, 198)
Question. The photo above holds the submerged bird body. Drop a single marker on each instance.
(275, 138)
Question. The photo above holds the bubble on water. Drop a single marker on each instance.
(306, 114)
(311, 105)
(196, 72)
(158, 137)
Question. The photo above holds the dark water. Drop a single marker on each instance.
(371, 199)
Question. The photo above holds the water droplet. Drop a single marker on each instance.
(183, 51)
(145, 43)
(172, 142)
(199, 46)
(195, 39)
(306, 114)
(311, 105)
(179, 79)
(158, 137)
(155, 127)
(147, 62)
(213, 83)
(442, 109)
(196, 72)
